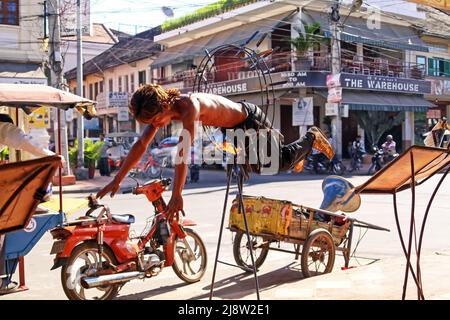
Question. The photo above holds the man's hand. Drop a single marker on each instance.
(112, 187)
(175, 205)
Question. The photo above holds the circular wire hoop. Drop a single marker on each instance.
(248, 58)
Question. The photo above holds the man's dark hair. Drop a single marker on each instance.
(6, 118)
(147, 101)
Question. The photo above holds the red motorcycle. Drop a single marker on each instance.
(98, 257)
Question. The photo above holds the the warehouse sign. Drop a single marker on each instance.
(227, 88)
(380, 83)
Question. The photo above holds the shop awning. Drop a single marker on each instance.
(388, 36)
(22, 73)
(379, 101)
(196, 48)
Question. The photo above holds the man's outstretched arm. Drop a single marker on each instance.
(136, 153)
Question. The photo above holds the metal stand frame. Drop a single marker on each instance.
(241, 209)
(415, 272)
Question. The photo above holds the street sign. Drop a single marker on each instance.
(331, 109)
(123, 114)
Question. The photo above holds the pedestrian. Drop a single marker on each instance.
(104, 167)
(157, 107)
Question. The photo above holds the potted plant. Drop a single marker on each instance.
(303, 43)
(91, 155)
(73, 157)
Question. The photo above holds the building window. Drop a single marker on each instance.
(101, 86)
(9, 12)
(95, 90)
(110, 85)
(126, 83)
(91, 92)
(132, 82)
(438, 67)
(84, 92)
(120, 84)
(142, 77)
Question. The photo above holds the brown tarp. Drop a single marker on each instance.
(21, 186)
(397, 175)
(35, 95)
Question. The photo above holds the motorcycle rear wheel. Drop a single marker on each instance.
(190, 271)
(70, 279)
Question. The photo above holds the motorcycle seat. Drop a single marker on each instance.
(123, 218)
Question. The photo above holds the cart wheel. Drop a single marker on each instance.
(241, 251)
(318, 253)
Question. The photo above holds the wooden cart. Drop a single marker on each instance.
(316, 234)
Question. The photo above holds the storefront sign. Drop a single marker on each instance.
(302, 112)
(40, 118)
(300, 79)
(380, 83)
(228, 88)
(440, 87)
(434, 114)
(118, 99)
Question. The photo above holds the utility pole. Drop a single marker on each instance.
(336, 121)
(80, 124)
(57, 79)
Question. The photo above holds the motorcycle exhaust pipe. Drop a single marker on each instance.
(106, 280)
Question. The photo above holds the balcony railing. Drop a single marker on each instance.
(243, 69)
(239, 69)
(378, 66)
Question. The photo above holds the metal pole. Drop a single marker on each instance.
(80, 124)
(57, 79)
(336, 121)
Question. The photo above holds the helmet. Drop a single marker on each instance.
(389, 137)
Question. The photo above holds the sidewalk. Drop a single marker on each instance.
(94, 185)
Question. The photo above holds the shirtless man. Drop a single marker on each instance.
(155, 106)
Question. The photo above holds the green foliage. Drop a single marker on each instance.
(375, 123)
(91, 152)
(205, 12)
(305, 41)
(73, 155)
(4, 154)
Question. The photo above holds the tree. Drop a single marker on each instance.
(376, 123)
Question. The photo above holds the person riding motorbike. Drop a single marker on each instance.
(389, 150)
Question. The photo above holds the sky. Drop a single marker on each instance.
(133, 16)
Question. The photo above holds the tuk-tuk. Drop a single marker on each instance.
(24, 183)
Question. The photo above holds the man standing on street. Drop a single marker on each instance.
(105, 170)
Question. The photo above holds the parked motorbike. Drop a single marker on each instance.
(154, 166)
(325, 166)
(380, 159)
(98, 256)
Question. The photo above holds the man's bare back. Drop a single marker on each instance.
(211, 110)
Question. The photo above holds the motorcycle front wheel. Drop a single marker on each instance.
(190, 258)
(84, 261)
(338, 169)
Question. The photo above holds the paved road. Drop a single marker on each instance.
(280, 276)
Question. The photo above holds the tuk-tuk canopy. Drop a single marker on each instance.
(35, 95)
(418, 161)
